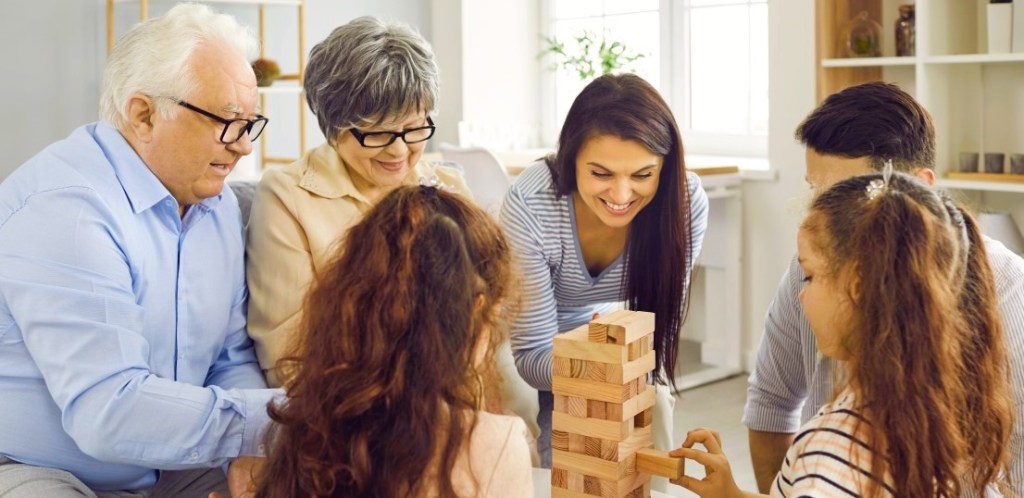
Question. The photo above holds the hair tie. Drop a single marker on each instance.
(877, 186)
(435, 183)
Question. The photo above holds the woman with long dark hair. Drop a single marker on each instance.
(386, 396)
(613, 216)
(898, 289)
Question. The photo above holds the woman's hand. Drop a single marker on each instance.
(718, 480)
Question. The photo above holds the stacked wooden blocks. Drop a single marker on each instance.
(603, 409)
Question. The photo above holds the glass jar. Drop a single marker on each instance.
(863, 37)
(905, 31)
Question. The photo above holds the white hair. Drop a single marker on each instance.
(153, 57)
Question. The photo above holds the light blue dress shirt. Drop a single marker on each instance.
(123, 346)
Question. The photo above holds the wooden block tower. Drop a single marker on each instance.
(601, 425)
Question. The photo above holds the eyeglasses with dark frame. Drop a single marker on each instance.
(378, 139)
(232, 127)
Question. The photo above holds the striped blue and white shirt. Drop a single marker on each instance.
(558, 292)
(791, 381)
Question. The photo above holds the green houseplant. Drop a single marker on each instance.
(591, 57)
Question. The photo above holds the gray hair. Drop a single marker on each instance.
(367, 71)
(153, 58)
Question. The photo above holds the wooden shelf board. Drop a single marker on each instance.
(869, 62)
(974, 58)
(991, 182)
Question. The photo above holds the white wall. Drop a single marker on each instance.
(489, 67)
(773, 209)
(53, 53)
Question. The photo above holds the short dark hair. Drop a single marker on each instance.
(875, 120)
(659, 251)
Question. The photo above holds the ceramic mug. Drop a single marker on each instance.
(994, 162)
(1017, 164)
(968, 162)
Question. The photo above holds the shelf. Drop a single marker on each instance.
(869, 62)
(293, 3)
(982, 185)
(974, 58)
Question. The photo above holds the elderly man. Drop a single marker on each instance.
(125, 368)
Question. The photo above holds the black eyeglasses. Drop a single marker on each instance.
(377, 139)
(233, 128)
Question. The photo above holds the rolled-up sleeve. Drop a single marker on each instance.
(778, 385)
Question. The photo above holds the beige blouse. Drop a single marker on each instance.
(498, 459)
(299, 213)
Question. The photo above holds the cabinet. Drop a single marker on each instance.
(974, 97)
(286, 84)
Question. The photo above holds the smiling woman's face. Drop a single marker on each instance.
(616, 178)
(375, 171)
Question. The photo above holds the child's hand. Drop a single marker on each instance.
(718, 480)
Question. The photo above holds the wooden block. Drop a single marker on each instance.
(644, 418)
(561, 367)
(560, 440)
(625, 486)
(592, 447)
(561, 403)
(603, 391)
(597, 332)
(615, 451)
(629, 408)
(559, 478)
(610, 318)
(574, 344)
(592, 485)
(576, 480)
(592, 466)
(612, 430)
(577, 407)
(594, 370)
(577, 442)
(640, 347)
(659, 463)
(596, 409)
(630, 327)
(621, 374)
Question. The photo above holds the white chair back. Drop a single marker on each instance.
(485, 176)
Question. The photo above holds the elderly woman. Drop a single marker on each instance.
(372, 86)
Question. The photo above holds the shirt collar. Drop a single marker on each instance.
(326, 175)
(142, 187)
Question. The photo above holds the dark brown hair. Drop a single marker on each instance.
(385, 389)
(875, 120)
(658, 251)
(928, 360)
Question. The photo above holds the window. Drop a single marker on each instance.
(708, 58)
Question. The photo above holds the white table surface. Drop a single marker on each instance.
(542, 485)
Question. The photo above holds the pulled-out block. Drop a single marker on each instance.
(659, 463)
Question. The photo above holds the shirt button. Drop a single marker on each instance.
(194, 455)
(261, 448)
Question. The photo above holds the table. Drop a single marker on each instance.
(542, 485)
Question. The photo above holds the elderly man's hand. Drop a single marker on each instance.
(242, 476)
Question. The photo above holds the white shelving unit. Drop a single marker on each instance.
(290, 83)
(713, 322)
(974, 97)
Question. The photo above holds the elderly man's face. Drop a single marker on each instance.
(185, 152)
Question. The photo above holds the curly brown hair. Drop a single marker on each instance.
(385, 387)
(928, 360)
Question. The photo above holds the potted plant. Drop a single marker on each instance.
(590, 57)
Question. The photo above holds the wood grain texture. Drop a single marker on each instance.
(658, 463)
(574, 344)
(612, 430)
